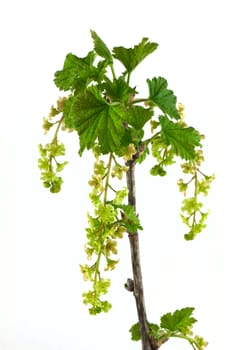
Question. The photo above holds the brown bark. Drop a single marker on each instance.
(147, 342)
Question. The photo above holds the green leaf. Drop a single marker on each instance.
(180, 320)
(78, 72)
(64, 78)
(162, 97)
(129, 218)
(100, 47)
(131, 57)
(118, 89)
(67, 112)
(135, 332)
(95, 119)
(137, 116)
(182, 139)
(156, 332)
(143, 155)
(130, 136)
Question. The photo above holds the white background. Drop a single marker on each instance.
(42, 235)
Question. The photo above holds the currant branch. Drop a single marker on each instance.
(110, 119)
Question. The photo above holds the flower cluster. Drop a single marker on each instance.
(52, 118)
(50, 167)
(105, 228)
(47, 162)
(164, 156)
(191, 210)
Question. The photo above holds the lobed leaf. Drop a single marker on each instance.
(100, 47)
(135, 332)
(118, 89)
(180, 320)
(95, 119)
(131, 57)
(182, 139)
(162, 97)
(137, 116)
(78, 72)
